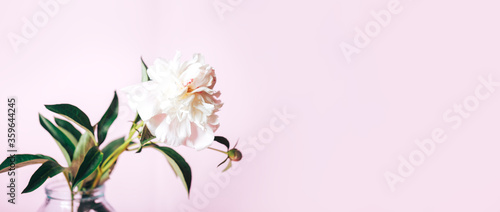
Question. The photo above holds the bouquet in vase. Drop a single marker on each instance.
(175, 104)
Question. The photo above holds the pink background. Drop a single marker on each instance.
(351, 121)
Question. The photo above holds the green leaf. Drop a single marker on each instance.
(145, 137)
(144, 68)
(228, 166)
(84, 145)
(89, 165)
(68, 135)
(86, 142)
(88, 181)
(180, 166)
(107, 119)
(114, 151)
(69, 127)
(223, 162)
(137, 118)
(222, 140)
(47, 170)
(111, 148)
(72, 113)
(23, 160)
(67, 146)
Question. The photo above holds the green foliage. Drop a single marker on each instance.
(68, 127)
(92, 160)
(112, 148)
(23, 160)
(88, 166)
(112, 151)
(222, 140)
(72, 113)
(47, 170)
(66, 145)
(107, 119)
(177, 162)
(84, 145)
(146, 136)
(144, 69)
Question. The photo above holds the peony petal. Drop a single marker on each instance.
(213, 121)
(132, 94)
(177, 132)
(148, 108)
(140, 95)
(203, 89)
(159, 129)
(199, 58)
(179, 103)
(154, 122)
(157, 71)
(200, 139)
(183, 130)
(191, 72)
(175, 65)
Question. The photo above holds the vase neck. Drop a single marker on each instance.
(59, 190)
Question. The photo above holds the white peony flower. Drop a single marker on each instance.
(179, 104)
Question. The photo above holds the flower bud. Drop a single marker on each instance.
(234, 155)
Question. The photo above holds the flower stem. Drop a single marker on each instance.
(112, 158)
(71, 192)
(133, 149)
(218, 150)
(97, 178)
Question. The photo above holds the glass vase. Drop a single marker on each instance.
(59, 199)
